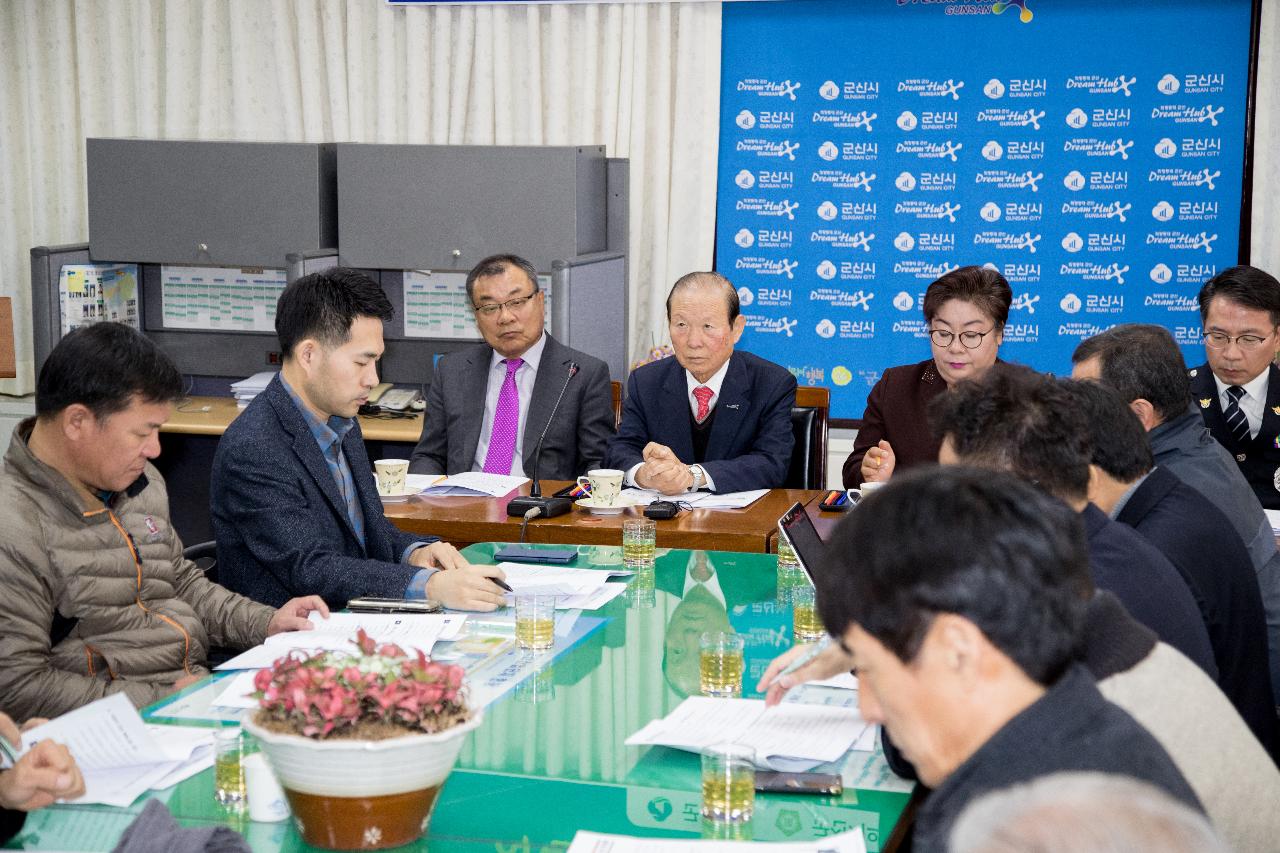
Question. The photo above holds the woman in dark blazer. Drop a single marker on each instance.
(965, 310)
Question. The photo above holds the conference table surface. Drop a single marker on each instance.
(188, 419)
(465, 520)
(549, 758)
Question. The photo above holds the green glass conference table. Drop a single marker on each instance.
(550, 760)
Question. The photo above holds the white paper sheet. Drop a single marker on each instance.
(697, 500)
(595, 842)
(408, 630)
(843, 681)
(477, 483)
(119, 755)
(790, 736)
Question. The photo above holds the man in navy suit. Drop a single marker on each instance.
(1238, 389)
(294, 501)
(710, 418)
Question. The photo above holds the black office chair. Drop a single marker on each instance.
(205, 556)
(809, 425)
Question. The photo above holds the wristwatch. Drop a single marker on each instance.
(699, 477)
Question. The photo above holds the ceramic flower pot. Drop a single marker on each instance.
(358, 794)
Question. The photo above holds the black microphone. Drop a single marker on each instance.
(553, 505)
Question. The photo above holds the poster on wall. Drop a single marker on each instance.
(1092, 152)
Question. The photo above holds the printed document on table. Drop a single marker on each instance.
(697, 500)
(477, 483)
(595, 842)
(119, 757)
(789, 737)
(410, 631)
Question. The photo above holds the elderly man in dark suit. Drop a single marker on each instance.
(295, 505)
(489, 403)
(1238, 388)
(710, 418)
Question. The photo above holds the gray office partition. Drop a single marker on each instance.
(445, 207)
(298, 264)
(209, 203)
(590, 309)
(46, 305)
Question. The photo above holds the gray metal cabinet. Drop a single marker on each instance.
(448, 206)
(209, 203)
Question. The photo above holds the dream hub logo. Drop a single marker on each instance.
(1025, 15)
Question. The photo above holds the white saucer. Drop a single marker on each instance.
(403, 497)
(589, 505)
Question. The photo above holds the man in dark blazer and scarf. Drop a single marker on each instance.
(294, 502)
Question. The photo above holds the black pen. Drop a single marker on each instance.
(500, 582)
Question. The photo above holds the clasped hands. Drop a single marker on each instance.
(45, 774)
(662, 471)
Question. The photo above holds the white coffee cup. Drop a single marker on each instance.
(267, 802)
(605, 485)
(865, 490)
(391, 475)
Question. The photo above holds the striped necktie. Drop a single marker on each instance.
(1236, 420)
(506, 420)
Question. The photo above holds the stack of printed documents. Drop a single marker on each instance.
(246, 389)
(696, 500)
(120, 756)
(792, 737)
(574, 589)
(477, 483)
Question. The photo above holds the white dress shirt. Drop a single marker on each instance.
(714, 383)
(1253, 402)
(526, 375)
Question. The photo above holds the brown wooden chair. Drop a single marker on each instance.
(809, 424)
(616, 387)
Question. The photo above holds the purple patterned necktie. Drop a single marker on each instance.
(502, 438)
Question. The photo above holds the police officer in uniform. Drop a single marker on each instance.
(1238, 389)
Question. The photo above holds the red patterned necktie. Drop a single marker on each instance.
(703, 395)
(502, 438)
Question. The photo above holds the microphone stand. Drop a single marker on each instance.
(535, 505)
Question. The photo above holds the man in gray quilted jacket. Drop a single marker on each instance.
(95, 595)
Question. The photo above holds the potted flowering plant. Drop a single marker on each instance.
(361, 740)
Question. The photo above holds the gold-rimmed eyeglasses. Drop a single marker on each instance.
(491, 309)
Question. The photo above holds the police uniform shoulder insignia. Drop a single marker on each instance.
(1205, 401)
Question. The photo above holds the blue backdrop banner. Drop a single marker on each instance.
(1091, 151)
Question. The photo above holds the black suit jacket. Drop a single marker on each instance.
(1205, 549)
(751, 439)
(1258, 458)
(1129, 567)
(576, 439)
(280, 522)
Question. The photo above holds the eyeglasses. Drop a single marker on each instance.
(491, 309)
(1217, 340)
(969, 340)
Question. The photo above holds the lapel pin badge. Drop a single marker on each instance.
(1204, 402)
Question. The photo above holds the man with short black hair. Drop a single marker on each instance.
(1238, 388)
(294, 501)
(1198, 540)
(1143, 364)
(710, 418)
(1015, 419)
(95, 595)
(959, 596)
(489, 403)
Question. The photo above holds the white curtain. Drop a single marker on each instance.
(641, 79)
(1265, 233)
